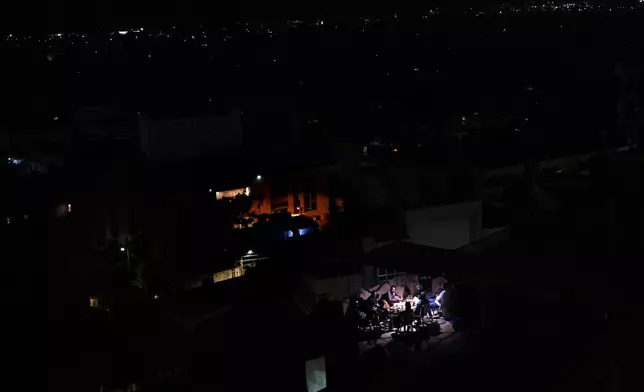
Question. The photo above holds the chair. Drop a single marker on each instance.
(407, 320)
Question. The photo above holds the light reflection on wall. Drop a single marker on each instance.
(233, 193)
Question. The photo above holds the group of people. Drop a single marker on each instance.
(419, 304)
(432, 300)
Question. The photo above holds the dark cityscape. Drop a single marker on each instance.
(323, 197)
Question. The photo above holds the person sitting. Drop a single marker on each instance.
(435, 303)
(373, 298)
(423, 305)
(370, 305)
(353, 314)
(382, 302)
(407, 317)
(437, 284)
(364, 305)
(392, 296)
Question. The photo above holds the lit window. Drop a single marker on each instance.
(310, 202)
(93, 302)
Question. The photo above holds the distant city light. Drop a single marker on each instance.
(395, 150)
(122, 249)
(69, 208)
(56, 118)
(210, 190)
(250, 252)
(123, 32)
(259, 177)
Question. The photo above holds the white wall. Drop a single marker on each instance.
(448, 227)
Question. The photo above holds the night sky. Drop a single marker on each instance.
(405, 74)
(83, 14)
